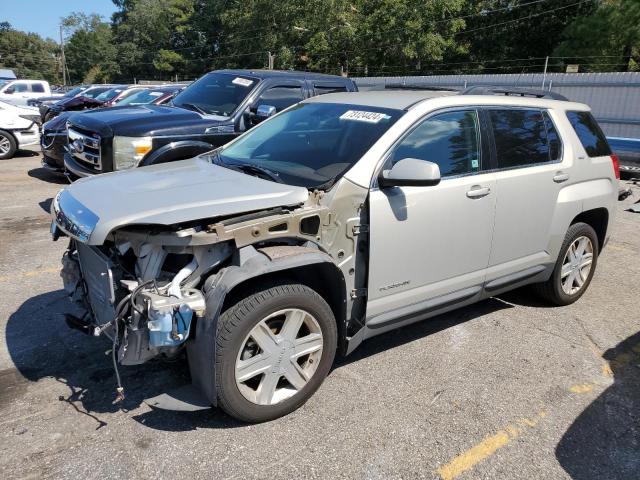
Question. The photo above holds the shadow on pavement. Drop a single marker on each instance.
(25, 153)
(42, 346)
(604, 441)
(47, 176)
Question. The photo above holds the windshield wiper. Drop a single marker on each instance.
(248, 168)
(191, 106)
(257, 169)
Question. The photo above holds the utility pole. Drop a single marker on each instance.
(271, 60)
(64, 61)
(544, 77)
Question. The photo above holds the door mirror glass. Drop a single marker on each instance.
(263, 112)
(410, 172)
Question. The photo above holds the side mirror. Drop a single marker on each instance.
(263, 112)
(410, 172)
(10, 90)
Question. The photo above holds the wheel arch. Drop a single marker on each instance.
(251, 269)
(174, 151)
(598, 219)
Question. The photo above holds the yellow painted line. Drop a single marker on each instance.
(583, 388)
(486, 448)
(32, 273)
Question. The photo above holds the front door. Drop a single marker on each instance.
(427, 243)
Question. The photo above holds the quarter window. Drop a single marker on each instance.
(280, 97)
(451, 139)
(589, 133)
(37, 88)
(520, 137)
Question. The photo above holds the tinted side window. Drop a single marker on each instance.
(322, 89)
(451, 139)
(20, 87)
(520, 136)
(589, 133)
(280, 97)
(37, 87)
(555, 144)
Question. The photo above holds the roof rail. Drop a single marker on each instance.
(514, 91)
(404, 86)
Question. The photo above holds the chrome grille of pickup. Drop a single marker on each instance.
(85, 148)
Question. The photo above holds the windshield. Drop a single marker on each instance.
(312, 144)
(216, 93)
(73, 92)
(142, 97)
(109, 94)
(93, 92)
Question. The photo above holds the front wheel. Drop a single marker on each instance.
(273, 350)
(574, 268)
(8, 145)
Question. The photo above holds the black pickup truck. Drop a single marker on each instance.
(210, 112)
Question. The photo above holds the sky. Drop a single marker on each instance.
(43, 16)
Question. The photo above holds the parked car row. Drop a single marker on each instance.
(313, 222)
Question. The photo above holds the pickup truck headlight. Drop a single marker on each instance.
(128, 151)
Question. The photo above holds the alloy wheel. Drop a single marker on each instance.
(576, 265)
(5, 145)
(279, 356)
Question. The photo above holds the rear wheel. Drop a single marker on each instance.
(273, 350)
(8, 145)
(574, 268)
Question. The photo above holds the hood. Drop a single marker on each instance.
(144, 120)
(76, 103)
(165, 194)
(57, 124)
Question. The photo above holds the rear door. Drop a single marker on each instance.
(530, 172)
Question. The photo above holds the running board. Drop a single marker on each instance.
(186, 398)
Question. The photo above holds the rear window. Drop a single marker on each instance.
(37, 87)
(589, 133)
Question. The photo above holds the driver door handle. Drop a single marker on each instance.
(561, 177)
(478, 192)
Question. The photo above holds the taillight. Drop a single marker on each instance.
(616, 165)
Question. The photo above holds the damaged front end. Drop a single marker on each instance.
(156, 289)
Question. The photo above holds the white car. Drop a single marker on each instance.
(18, 92)
(18, 128)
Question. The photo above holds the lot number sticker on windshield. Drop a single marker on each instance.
(362, 116)
(242, 81)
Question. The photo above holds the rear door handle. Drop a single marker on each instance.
(561, 177)
(477, 191)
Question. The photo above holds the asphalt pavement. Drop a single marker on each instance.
(509, 388)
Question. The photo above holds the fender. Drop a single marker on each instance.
(249, 263)
(176, 151)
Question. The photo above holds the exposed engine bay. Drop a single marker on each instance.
(145, 287)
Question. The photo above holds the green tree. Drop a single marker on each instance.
(606, 40)
(90, 52)
(151, 36)
(28, 55)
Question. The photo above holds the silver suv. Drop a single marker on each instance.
(338, 219)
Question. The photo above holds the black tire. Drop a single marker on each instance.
(49, 116)
(234, 326)
(13, 146)
(551, 290)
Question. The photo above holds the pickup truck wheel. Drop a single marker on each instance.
(273, 350)
(574, 268)
(8, 145)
